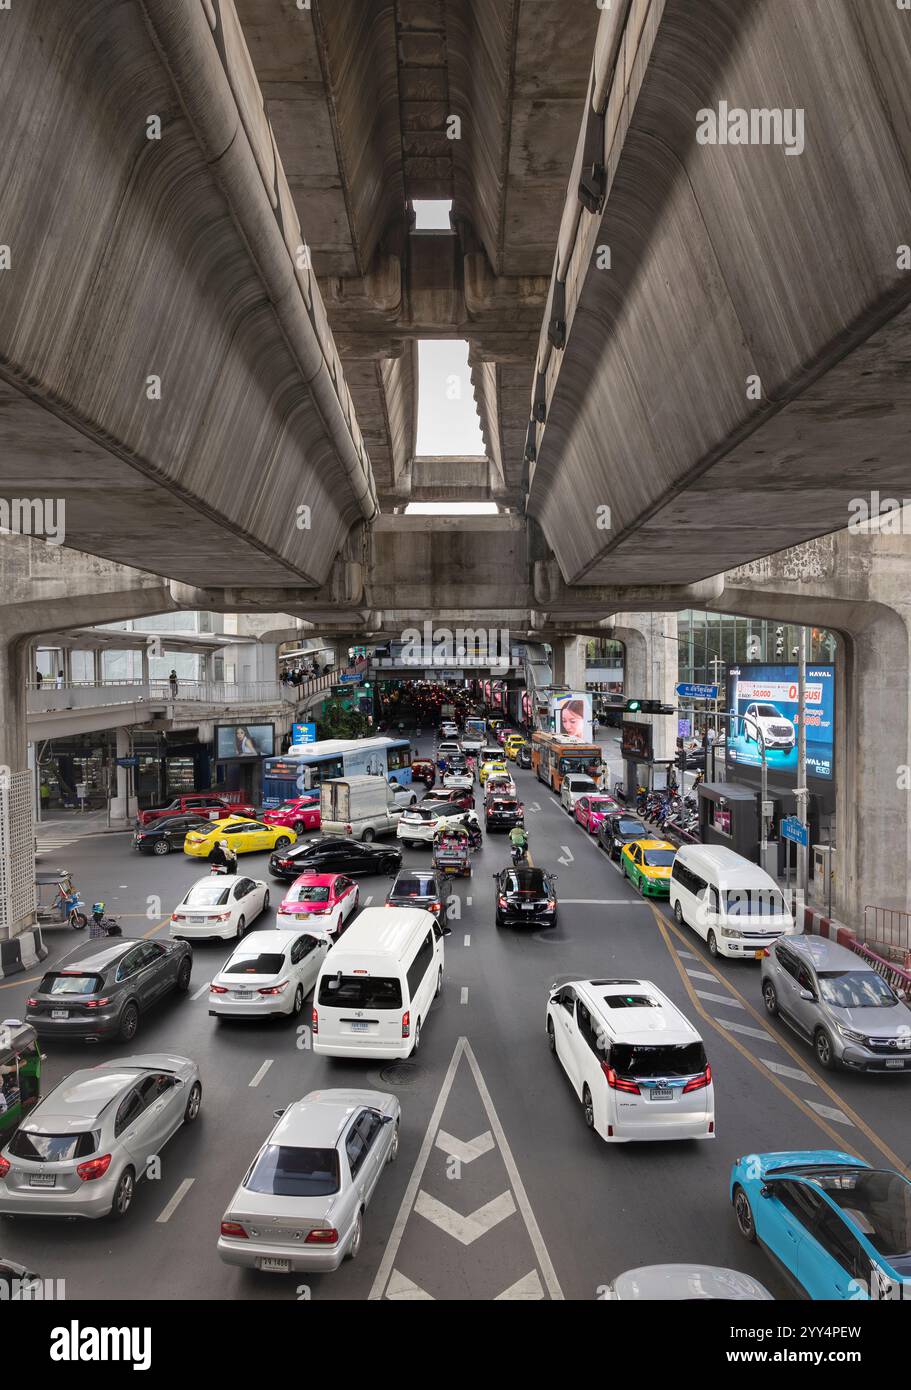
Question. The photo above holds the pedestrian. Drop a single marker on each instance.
(60, 680)
(38, 679)
(172, 682)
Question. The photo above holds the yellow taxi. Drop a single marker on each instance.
(511, 745)
(647, 864)
(243, 835)
(495, 765)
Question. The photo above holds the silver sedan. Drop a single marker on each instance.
(84, 1147)
(301, 1204)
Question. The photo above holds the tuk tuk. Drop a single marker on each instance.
(57, 899)
(20, 1074)
(451, 852)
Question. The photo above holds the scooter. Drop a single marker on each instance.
(102, 925)
(519, 855)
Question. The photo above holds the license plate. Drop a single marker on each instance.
(198, 920)
(661, 1093)
(359, 1027)
(528, 907)
(42, 1180)
(896, 1063)
(758, 955)
(60, 1013)
(243, 994)
(269, 1265)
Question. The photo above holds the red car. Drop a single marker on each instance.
(423, 770)
(298, 815)
(459, 796)
(211, 805)
(322, 901)
(591, 810)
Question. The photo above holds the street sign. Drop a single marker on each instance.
(303, 733)
(791, 829)
(684, 728)
(697, 692)
(132, 761)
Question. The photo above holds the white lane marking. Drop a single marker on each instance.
(700, 975)
(123, 885)
(688, 955)
(608, 902)
(830, 1112)
(463, 997)
(468, 902)
(527, 1288)
(176, 1200)
(742, 1028)
(402, 1289)
(465, 1151)
(414, 1182)
(262, 1071)
(468, 938)
(719, 998)
(465, 1229)
(617, 868)
(567, 856)
(536, 805)
(202, 989)
(368, 901)
(794, 1073)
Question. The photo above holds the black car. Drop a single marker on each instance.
(618, 830)
(163, 836)
(503, 813)
(101, 988)
(526, 896)
(334, 855)
(419, 888)
(523, 756)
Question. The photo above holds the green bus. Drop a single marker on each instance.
(20, 1074)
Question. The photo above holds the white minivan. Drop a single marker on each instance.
(728, 900)
(377, 984)
(635, 1062)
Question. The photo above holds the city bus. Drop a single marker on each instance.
(306, 765)
(553, 755)
(20, 1074)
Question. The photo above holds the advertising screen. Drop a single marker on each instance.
(572, 715)
(764, 699)
(244, 740)
(635, 740)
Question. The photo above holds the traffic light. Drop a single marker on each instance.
(648, 707)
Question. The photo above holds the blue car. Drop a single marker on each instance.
(834, 1226)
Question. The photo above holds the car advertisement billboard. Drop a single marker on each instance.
(764, 701)
(572, 715)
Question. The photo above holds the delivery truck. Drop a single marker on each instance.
(362, 807)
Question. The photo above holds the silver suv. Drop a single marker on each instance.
(834, 999)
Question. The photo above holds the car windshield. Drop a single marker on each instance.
(631, 827)
(70, 984)
(284, 1171)
(683, 1059)
(754, 902)
(658, 858)
(207, 895)
(877, 1202)
(52, 1148)
(360, 992)
(855, 989)
(265, 963)
(768, 712)
(309, 893)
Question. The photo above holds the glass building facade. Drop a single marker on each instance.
(709, 643)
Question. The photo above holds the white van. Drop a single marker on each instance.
(636, 1063)
(728, 900)
(377, 984)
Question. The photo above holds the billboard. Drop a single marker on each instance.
(635, 741)
(764, 700)
(572, 715)
(303, 733)
(244, 740)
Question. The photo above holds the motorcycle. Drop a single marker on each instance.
(102, 925)
(519, 855)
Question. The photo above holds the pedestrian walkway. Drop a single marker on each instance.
(58, 830)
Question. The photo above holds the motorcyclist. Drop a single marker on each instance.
(224, 856)
(101, 925)
(519, 841)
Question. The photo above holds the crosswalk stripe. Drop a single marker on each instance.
(465, 1152)
(719, 998)
(465, 1229)
(742, 1028)
(794, 1073)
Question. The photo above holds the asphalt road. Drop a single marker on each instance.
(499, 1190)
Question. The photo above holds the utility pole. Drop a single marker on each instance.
(801, 792)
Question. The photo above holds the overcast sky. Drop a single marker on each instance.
(447, 418)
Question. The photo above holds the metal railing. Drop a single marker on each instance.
(50, 698)
(898, 976)
(889, 927)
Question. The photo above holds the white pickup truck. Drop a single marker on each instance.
(362, 807)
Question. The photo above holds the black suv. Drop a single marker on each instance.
(163, 836)
(503, 813)
(618, 830)
(526, 897)
(419, 888)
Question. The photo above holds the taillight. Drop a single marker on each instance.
(697, 1083)
(274, 989)
(217, 989)
(619, 1083)
(314, 1022)
(96, 1003)
(31, 1003)
(178, 917)
(95, 1168)
(322, 1237)
(347, 832)
(434, 907)
(5, 1166)
(406, 1024)
(233, 1228)
(502, 902)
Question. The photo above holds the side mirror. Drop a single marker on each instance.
(387, 1119)
(765, 1191)
(808, 995)
(447, 931)
(278, 1113)
(903, 995)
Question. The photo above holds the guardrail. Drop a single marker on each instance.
(898, 976)
(81, 695)
(891, 927)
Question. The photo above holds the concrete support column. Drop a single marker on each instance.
(124, 807)
(650, 670)
(17, 797)
(146, 676)
(97, 666)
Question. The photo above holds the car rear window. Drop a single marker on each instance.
(207, 895)
(53, 1148)
(70, 984)
(526, 881)
(266, 963)
(413, 888)
(309, 893)
(360, 992)
(685, 1059)
(284, 1171)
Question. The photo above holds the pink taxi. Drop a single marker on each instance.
(323, 902)
(299, 815)
(591, 810)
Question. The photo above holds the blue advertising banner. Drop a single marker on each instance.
(764, 701)
(303, 733)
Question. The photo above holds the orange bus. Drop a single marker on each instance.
(553, 755)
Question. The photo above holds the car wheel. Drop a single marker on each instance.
(194, 1101)
(551, 1038)
(282, 842)
(394, 1146)
(123, 1194)
(298, 827)
(498, 920)
(298, 1002)
(439, 988)
(413, 801)
(183, 975)
(241, 928)
(161, 847)
(712, 944)
(129, 1023)
(678, 914)
(266, 900)
(390, 866)
(354, 1243)
(588, 1109)
(825, 1052)
(744, 1214)
(368, 836)
(770, 999)
(417, 1040)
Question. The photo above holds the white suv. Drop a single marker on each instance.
(766, 726)
(419, 824)
(576, 784)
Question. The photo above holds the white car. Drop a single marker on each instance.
(419, 824)
(449, 746)
(271, 972)
(449, 729)
(458, 781)
(499, 785)
(576, 784)
(766, 726)
(301, 1204)
(219, 905)
(402, 796)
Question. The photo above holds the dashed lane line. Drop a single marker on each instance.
(744, 1029)
(463, 996)
(262, 1071)
(793, 1072)
(202, 990)
(719, 998)
(176, 1200)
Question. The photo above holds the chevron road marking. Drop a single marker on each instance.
(527, 1288)
(466, 1229)
(401, 1289)
(465, 1152)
